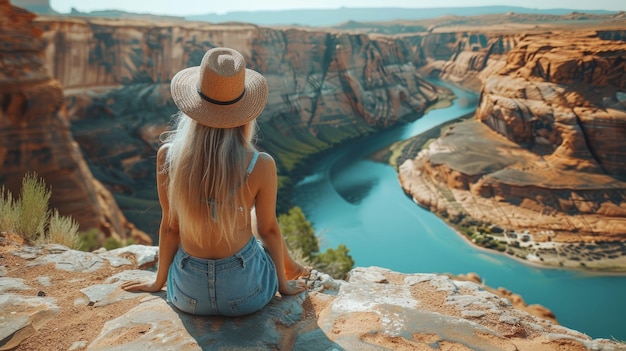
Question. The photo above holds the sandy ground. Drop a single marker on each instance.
(77, 325)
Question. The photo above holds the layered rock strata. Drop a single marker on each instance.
(374, 308)
(325, 88)
(35, 132)
(466, 58)
(545, 151)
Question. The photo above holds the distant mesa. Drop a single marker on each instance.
(342, 16)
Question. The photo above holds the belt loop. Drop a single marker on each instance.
(183, 261)
(241, 260)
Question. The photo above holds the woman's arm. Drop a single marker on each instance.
(169, 238)
(267, 224)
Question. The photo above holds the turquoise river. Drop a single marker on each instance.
(358, 202)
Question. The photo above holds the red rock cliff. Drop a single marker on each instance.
(466, 57)
(35, 133)
(546, 150)
(325, 87)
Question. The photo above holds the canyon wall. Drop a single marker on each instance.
(325, 88)
(552, 99)
(546, 150)
(320, 81)
(35, 132)
(466, 58)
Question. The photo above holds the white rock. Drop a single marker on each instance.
(22, 316)
(71, 261)
(12, 284)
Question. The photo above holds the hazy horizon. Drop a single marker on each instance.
(197, 7)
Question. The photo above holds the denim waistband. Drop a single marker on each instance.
(238, 259)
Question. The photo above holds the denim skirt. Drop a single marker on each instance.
(233, 286)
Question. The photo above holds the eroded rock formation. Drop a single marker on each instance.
(374, 308)
(330, 85)
(466, 58)
(325, 87)
(546, 149)
(552, 106)
(35, 132)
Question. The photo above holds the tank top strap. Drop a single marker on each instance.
(255, 157)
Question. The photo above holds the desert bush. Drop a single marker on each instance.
(29, 215)
(32, 207)
(112, 243)
(336, 262)
(303, 245)
(93, 239)
(8, 212)
(298, 232)
(63, 230)
(89, 240)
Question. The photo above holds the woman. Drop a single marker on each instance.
(209, 178)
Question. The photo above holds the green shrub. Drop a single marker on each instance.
(29, 215)
(111, 243)
(92, 240)
(63, 230)
(89, 240)
(336, 262)
(8, 212)
(32, 207)
(298, 232)
(303, 245)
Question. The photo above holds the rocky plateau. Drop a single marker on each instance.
(544, 151)
(53, 298)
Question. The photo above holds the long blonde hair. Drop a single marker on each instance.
(206, 168)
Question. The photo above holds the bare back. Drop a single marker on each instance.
(259, 188)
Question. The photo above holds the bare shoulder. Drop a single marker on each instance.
(265, 157)
(266, 161)
(266, 165)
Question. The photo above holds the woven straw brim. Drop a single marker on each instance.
(184, 89)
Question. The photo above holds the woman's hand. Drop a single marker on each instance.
(293, 287)
(141, 286)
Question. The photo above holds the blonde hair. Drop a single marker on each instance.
(206, 169)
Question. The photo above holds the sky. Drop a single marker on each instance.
(201, 7)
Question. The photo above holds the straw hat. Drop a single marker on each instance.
(221, 92)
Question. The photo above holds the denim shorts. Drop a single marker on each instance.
(233, 286)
